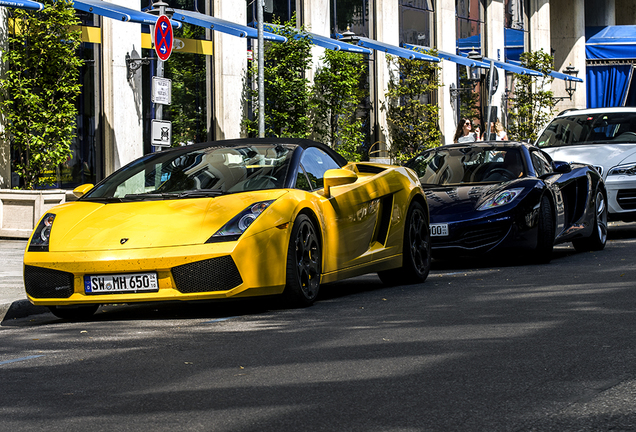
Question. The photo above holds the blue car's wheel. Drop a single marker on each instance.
(545, 233)
(597, 240)
(304, 263)
(416, 253)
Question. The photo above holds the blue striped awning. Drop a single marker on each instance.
(120, 13)
(565, 77)
(323, 41)
(223, 26)
(395, 50)
(514, 68)
(25, 4)
(452, 57)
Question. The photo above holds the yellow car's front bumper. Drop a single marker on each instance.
(250, 266)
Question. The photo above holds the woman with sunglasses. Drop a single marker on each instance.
(464, 132)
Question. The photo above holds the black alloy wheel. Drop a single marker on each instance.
(597, 240)
(416, 259)
(545, 233)
(304, 263)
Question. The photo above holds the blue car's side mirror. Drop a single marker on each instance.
(561, 167)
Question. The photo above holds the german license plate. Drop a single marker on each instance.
(121, 283)
(438, 230)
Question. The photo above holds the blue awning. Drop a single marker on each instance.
(565, 77)
(110, 10)
(514, 68)
(395, 50)
(223, 26)
(452, 57)
(324, 41)
(611, 42)
(30, 5)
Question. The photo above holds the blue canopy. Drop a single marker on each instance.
(395, 50)
(323, 41)
(452, 57)
(514, 68)
(120, 13)
(513, 44)
(611, 42)
(223, 26)
(25, 4)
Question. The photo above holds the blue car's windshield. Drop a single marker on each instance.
(468, 165)
(197, 172)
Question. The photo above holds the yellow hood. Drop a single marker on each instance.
(89, 226)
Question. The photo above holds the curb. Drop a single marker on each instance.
(20, 309)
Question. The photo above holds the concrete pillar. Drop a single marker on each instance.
(315, 18)
(600, 13)
(122, 98)
(495, 49)
(230, 66)
(540, 25)
(386, 18)
(5, 147)
(568, 43)
(626, 12)
(446, 40)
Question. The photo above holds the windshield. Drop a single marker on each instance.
(578, 129)
(197, 172)
(468, 165)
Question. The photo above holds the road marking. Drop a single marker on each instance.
(219, 320)
(19, 359)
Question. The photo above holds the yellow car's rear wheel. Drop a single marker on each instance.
(304, 261)
(416, 252)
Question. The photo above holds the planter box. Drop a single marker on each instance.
(20, 210)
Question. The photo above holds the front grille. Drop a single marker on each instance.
(216, 274)
(46, 283)
(475, 237)
(626, 199)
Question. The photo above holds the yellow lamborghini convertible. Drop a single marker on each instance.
(236, 218)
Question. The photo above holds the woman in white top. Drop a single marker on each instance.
(464, 132)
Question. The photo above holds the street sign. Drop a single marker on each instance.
(161, 133)
(161, 90)
(164, 38)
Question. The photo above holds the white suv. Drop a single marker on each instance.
(606, 139)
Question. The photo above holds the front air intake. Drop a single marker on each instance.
(216, 274)
(47, 283)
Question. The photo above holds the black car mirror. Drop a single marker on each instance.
(561, 167)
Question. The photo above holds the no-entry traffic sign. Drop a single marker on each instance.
(163, 38)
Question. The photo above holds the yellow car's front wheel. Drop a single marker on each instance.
(304, 259)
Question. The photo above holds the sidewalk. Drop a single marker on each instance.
(13, 301)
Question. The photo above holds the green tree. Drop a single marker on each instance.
(413, 119)
(339, 87)
(532, 104)
(287, 92)
(40, 89)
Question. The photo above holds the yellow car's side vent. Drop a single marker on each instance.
(384, 219)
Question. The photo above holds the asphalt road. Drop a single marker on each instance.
(483, 345)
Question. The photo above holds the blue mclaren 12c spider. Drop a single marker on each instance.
(496, 195)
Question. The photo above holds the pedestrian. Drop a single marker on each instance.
(464, 132)
(497, 132)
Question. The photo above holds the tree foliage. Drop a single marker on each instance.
(40, 88)
(339, 87)
(413, 119)
(532, 104)
(287, 92)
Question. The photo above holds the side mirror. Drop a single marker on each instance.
(338, 177)
(561, 167)
(81, 190)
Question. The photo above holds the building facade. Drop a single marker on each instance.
(208, 68)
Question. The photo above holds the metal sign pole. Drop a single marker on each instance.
(261, 72)
(492, 71)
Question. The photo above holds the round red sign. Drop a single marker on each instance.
(164, 38)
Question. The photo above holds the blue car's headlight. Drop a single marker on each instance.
(501, 199)
(232, 230)
(628, 169)
(42, 233)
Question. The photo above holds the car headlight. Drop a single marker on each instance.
(42, 234)
(628, 169)
(232, 230)
(501, 199)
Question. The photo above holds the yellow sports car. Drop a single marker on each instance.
(236, 218)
